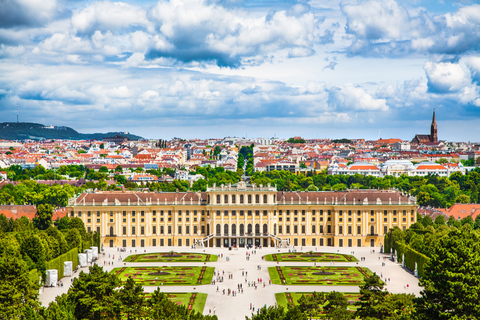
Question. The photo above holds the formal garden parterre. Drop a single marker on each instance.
(172, 257)
(310, 257)
(166, 276)
(328, 276)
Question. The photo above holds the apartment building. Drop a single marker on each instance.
(244, 215)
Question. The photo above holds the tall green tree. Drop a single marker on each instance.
(43, 217)
(336, 307)
(95, 295)
(452, 278)
(133, 300)
(18, 293)
(371, 298)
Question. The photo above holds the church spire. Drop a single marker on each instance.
(433, 129)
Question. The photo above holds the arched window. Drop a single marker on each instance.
(208, 199)
(111, 231)
(208, 229)
(233, 199)
(218, 198)
(241, 199)
(219, 229)
(242, 229)
(249, 228)
(257, 198)
(249, 198)
(265, 228)
(225, 229)
(275, 229)
(257, 228)
(264, 198)
(225, 199)
(234, 230)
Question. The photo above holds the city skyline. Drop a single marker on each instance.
(201, 69)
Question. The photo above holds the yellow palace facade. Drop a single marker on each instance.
(244, 215)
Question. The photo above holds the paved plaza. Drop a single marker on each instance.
(237, 307)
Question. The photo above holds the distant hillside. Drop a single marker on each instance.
(36, 131)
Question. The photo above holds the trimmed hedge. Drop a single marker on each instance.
(411, 257)
(33, 276)
(57, 263)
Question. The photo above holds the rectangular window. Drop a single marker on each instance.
(249, 213)
(142, 230)
(225, 213)
(154, 229)
(195, 229)
(218, 213)
(303, 229)
(124, 230)
(154, 213)
(203, 229)
(385, 229)
(133, 230)
(133, 213)
(169, 229)
(264, 213)
(321, 229)
(280, 229)
(340, 229)
(179, 229)
(359, 230)
(142, 213)
(288, 229)
(349, 229)
(295, 229)
(257, 213)
(187, 229)
(162, 230)
(241, 213)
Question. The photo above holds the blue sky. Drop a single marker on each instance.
(201, 69)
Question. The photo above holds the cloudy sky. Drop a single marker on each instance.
(213, 68)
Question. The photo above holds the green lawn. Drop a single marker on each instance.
(287, 299)
(167, 276)
(182, 298)
(326, 276)
(171, 257)
(310, 257)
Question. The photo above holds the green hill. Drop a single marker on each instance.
(36, 131)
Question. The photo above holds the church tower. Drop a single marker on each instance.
(433, 129)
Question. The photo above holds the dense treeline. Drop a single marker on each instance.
(37, 246)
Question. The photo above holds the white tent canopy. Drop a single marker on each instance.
(82, 259)
(94, 252)
(52, 278)
(67, 268)
(89, 255)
